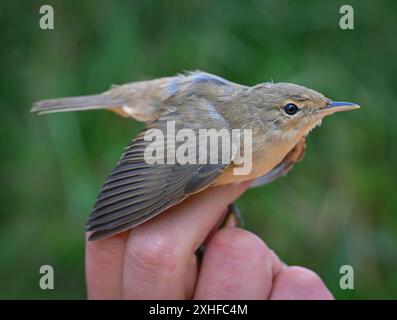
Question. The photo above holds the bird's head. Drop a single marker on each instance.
(291, 111)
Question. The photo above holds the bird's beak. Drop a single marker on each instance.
(337, 106)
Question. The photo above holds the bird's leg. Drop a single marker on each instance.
(232, 218)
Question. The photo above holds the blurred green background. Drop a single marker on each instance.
(336, 207)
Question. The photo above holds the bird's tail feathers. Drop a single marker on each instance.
(98, 101)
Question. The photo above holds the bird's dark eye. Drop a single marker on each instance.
(290, 109)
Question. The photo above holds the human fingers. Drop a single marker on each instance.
(237, 265)
(159, 252)
(298, 283)
(104, 266)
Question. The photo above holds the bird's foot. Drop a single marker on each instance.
(232, 219)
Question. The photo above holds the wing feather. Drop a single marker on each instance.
(136, 191)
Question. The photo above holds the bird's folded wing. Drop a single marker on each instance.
(135, 191)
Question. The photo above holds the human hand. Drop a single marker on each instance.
(157, 260)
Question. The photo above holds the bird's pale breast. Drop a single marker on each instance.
(263, 161)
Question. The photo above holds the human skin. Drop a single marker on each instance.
(157, 260)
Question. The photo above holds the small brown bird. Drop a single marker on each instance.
(279, 115)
